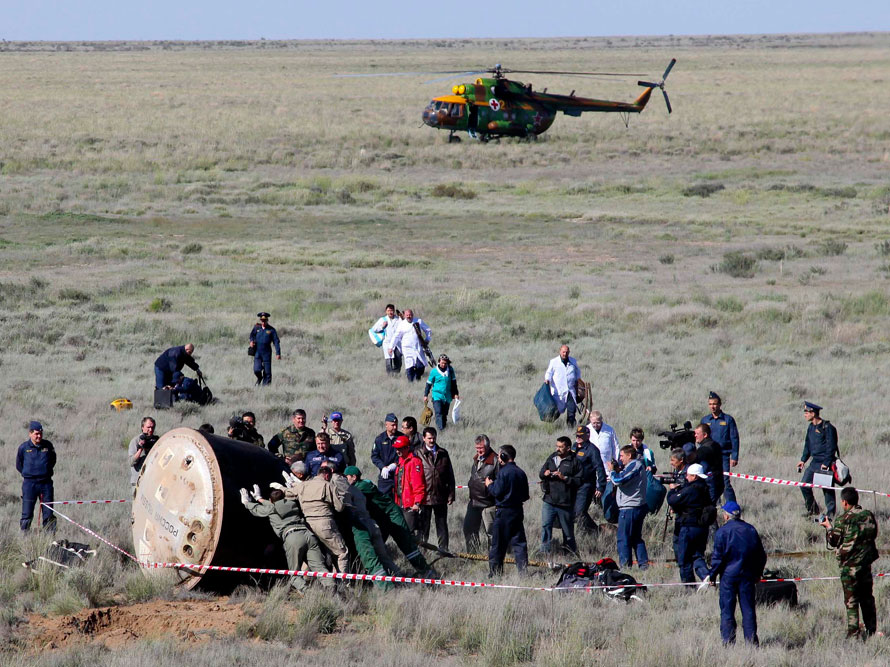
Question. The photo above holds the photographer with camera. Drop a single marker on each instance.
(139, 448)
(630, 479)
(691, 503)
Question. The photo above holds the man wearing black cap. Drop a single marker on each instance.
(35, 461)
(726, 434)
(593, 479)
(384, 456)
(820, 448)
(262, 337)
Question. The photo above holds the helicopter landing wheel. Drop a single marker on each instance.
(453, 139)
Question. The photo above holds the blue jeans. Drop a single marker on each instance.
(582, 503)
(807, 493)
(549, 516)
(162, 378)
(571, 408)
(440, 408)
(690, 543)
(507, 531)
(728, 493)
(630, 537)
(32, 491)
(743, 589)
(262, 368)
(415, 372)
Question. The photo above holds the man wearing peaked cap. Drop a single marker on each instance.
(384, 456)
(725, 433)
(820, 449)
(35, 461)
(262, 337)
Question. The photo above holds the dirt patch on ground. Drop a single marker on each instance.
(192, 621)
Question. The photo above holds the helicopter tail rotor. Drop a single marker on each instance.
(660, 84)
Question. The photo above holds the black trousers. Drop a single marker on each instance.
(507, 532)
(441, 514)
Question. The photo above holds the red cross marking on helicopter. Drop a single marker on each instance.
(494, 104)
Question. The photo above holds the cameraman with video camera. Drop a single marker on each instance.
(695, 512)
(139, 448)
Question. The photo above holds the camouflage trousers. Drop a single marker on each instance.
(857, 581)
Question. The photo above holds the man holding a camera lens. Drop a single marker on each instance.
(139, 448)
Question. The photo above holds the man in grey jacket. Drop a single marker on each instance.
(630, 480)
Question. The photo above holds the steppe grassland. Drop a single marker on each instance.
(153, 197)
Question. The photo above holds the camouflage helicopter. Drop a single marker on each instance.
(495, 106)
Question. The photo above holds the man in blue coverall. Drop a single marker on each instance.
(725, 433)
(738, 558)
(262, 337)
(172, 360)
(35, 460)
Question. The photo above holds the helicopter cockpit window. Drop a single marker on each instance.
(457, 110)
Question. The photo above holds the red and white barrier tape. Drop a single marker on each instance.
(86, 502)
(790, 482)
(399, 580)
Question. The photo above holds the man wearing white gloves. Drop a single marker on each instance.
(384, 456)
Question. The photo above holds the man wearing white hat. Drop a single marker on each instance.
(694, 513)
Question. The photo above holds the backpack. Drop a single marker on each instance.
(602, 575)
(708, 516)
(547, 410)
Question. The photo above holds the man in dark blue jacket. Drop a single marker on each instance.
(384, 456)
(172, 360)
(510, 491)
(820, 448)
(738, 558)
(726, 434)
(593, 478)
(35, 460)
(262, 337)
(691, 504)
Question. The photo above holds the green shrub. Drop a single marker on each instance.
(771, 254)
(737, 265)
(455, 191)
(191, 249)
(666, 259)
(729, 304)
(75, 295)
(159, 305)
(883, 248)
(832, 248)
(703, 189)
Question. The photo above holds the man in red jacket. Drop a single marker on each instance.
(410, 485)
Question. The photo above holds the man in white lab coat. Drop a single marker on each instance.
(387, 325)
(562, 377)
(412, 345)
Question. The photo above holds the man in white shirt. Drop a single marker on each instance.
(411, 344)
(387, 325)
(603, 436)
(562, 377)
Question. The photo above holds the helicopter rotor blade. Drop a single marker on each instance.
(668, 70)
(667, 100)
(648, 84)
(454, 75)
(539, 71)
(450, 73)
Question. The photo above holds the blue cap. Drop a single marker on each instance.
(811, 406)
(337, 416)
(35, 426)
(732, 507)
(391, 417)
(714, 394)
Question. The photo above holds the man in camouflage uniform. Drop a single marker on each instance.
(853, 536)
(295, 441)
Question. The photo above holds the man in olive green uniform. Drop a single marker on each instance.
(341, 439)
(319, 500)
(295, 441)
(853, 536)
(286, 519)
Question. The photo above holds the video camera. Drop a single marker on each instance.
(677, 437)
(668, 478)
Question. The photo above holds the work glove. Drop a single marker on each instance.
(290, 480)
(256, 494)
(245, 498)
(276, 485)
